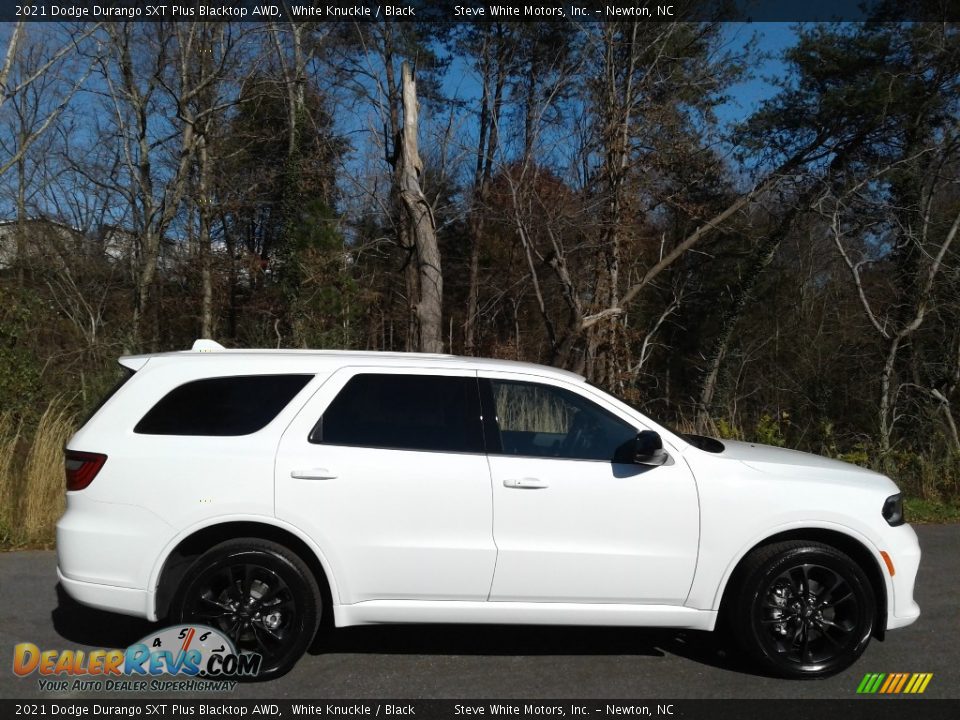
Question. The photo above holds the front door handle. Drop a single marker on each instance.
(313, 474)
(527, 483)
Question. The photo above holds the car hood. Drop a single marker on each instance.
(781, 461)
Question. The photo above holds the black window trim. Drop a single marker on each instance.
(402, 372)
(310, 378)
(489, 410)
(490, 425)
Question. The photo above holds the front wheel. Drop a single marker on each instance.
(260, 595)
(803, 609)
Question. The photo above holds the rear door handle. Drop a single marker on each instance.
(527, 483)
(313, 474)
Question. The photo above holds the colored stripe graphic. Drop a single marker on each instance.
(894, 683)
(877, 681)
(903, 681)
(869, 681)
(891, 680)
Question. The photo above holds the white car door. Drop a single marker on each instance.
(386, 471)
(574, 519)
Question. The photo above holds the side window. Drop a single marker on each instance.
(222, 406)
(545, 421)
(127, 374)
(404, 412)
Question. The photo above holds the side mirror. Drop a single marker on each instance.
(648, 449)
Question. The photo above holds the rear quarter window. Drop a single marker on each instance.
(127, 374)
(221, 406)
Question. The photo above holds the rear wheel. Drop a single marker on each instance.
(260, 595)
(802, 609)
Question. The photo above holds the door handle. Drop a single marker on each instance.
(313, 474)
(527, 483)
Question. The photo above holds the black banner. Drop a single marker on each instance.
(875, 709)
(479, 10)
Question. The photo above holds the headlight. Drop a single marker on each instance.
(893, 510)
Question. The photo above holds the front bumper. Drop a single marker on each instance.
(904, 551)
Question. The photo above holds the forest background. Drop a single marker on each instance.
(746, 238)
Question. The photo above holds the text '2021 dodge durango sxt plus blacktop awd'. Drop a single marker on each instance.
(254, 490)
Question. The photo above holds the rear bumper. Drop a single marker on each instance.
(106, 552)
(126, 601)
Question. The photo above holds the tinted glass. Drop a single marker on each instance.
(237, 405)
(127, 374)
(545, 421)
(404, 412)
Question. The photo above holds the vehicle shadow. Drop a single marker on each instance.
(530, 640)
(86, 626)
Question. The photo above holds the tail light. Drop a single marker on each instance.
(82, 468)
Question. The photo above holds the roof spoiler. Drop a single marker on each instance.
(133, 362)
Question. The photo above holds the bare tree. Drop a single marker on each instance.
(42, 56)
(418, 220)
(897, 322)
(494, 45)
(150, 70)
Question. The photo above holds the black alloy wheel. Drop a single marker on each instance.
(803, 609)
(257, 593)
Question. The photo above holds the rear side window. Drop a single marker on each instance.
(127, 374)
(404, 412)
(222, 406)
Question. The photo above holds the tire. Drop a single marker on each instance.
(802, 609)
(259, 594)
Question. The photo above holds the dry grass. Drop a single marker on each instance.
(530, 409)
(9, 487)
(31, 477)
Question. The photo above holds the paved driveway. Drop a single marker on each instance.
(508, 662)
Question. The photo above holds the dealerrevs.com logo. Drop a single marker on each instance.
(200, 657)
(894, 683)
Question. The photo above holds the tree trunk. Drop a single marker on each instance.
(491, 104)
(473, 292)
(475, 224)
(887, 414)
(21, 231)
(418, 222)
(206, 259)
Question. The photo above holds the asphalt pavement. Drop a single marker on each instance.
(500, 662)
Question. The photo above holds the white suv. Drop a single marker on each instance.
(254, 490)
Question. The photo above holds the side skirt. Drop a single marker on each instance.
(374, 612)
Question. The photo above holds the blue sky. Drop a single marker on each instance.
(745, 97)
(772, 39)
